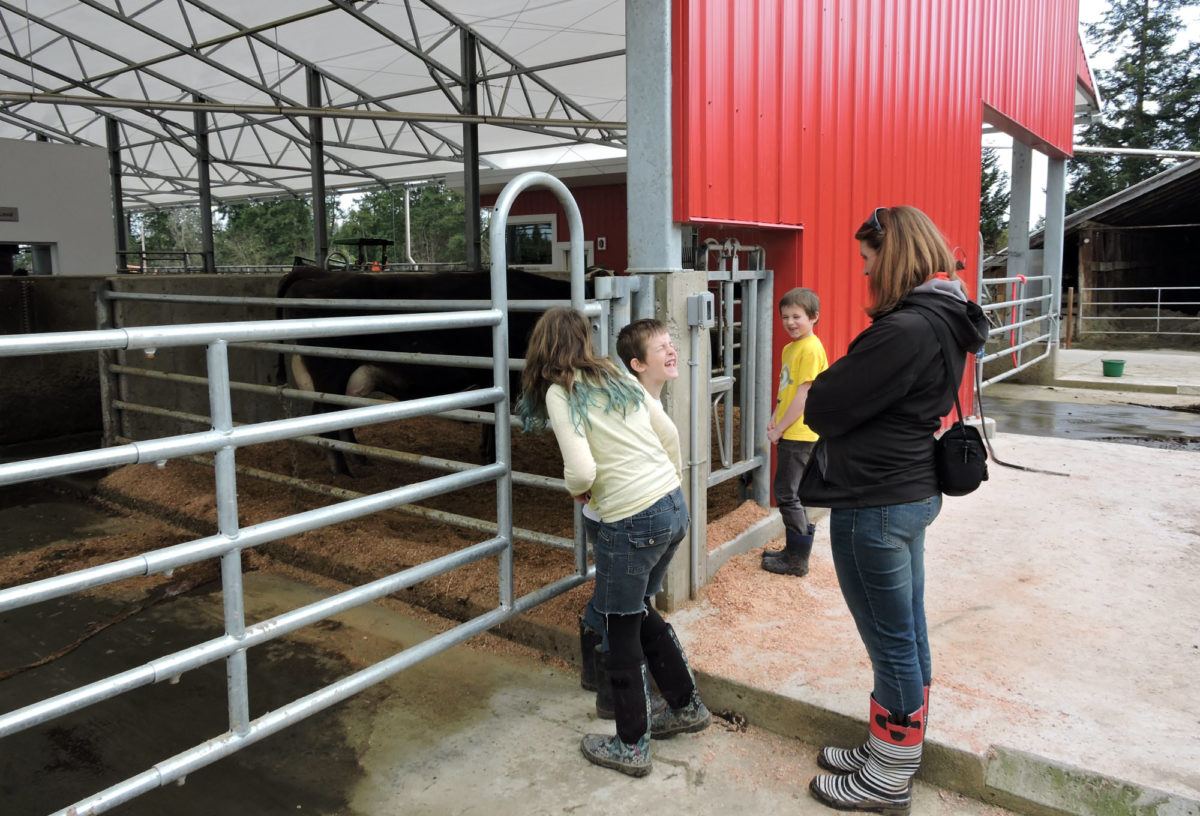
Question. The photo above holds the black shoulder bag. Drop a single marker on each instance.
(959, 455)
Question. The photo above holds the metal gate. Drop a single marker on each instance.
(1016, 307)
(222, 440)
(738, 309)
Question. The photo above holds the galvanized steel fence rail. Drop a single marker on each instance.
(1007, 313)
(222, 441)
(1105, 313)
(615, 302)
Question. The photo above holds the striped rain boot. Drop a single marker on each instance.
(849, 760)
(884, 783)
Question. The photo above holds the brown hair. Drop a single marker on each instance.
(560, 353)
(632, 340)
(806, 299)
(909, 250)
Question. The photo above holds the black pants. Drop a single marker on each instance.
(792, 457)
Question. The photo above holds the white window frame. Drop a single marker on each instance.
(538, 219)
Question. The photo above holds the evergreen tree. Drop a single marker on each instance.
(993, 204)
(1150, 97)
(436, 218)
(264, 232)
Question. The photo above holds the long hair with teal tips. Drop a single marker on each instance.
(560, 353)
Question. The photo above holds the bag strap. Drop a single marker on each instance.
(925, 312)
(922, 311)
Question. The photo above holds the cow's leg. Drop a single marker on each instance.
(364, 381)
(487, 443)
(302, 379)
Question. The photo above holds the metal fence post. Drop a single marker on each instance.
(1020, 335)
(109, 384)
(749, 373)
(499, 281)
(761, 486)
(227, 523)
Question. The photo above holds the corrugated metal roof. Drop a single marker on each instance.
(1171, 197)
(542, 61)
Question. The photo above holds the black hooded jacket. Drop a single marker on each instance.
(877, 408)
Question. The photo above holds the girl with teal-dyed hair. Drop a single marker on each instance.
(621, 456)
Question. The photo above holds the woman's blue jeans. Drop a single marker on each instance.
(879, 555)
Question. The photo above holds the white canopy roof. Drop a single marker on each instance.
(551, 76)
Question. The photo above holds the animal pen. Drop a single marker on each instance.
(616, 304)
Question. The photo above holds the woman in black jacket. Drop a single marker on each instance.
(876, 410)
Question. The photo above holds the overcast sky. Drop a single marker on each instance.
(1090, 11)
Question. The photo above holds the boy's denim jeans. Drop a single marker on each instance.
(879, 555)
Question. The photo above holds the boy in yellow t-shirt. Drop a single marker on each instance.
(802, 360)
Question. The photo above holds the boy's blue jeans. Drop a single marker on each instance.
(879, 555)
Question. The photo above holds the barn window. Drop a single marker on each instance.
(529, 240)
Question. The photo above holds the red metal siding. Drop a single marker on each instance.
(809, 113)
(604, 214)
(1030, 66)
(841, 106)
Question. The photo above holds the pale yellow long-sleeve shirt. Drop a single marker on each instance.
(626, 462)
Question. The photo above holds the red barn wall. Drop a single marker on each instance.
(1031, 62)
(810, 113)
(604, 214)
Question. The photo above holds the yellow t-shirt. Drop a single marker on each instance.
(803, 360)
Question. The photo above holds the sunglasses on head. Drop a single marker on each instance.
(873, 222)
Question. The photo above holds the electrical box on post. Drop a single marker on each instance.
(700, 310)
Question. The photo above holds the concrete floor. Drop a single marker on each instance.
(1063, 616)
(484, 729)
(1159, 369)
(1019, 412)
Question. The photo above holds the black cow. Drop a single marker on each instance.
(405, 381)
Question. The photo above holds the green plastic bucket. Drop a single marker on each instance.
(1113, 368)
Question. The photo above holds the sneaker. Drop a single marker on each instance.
(668, 722)
(611, 752)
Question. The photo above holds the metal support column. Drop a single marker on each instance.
(113, 132)
(655, 240)
(227, 525)
(316, 136)
(470, 105)
(205, 183)
(1018, 221)
(1052, 260)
